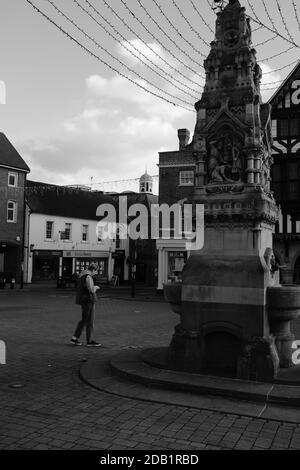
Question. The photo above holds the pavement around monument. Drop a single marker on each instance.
(46, 405)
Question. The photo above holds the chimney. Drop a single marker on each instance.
(184, 137)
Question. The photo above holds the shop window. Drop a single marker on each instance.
(49, 230)
(176, 262)
(12, 179)
(118, 240)
(186, 178)
(11, 211)
(85, 233)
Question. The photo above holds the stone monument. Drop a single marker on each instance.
(224, 326)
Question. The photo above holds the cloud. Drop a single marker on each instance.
(119, 130)
(268, 87)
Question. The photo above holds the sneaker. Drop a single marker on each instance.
(94, 343)
(75, 341)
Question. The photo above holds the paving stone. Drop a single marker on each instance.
(56, 410)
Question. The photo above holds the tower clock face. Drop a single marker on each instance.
(231, 38)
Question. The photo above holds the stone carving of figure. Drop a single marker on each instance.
(216, 164)
(271, 262)
(237, 165)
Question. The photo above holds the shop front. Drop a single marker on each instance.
(10, 260)
(74, 262)
(119, 264)
(176, 262)
(45, 266)
(172, 256)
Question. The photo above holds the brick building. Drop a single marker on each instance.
(176, 183)
(13, 171)
(286, 173)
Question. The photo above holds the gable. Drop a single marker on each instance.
(288, 94)
(9, 157)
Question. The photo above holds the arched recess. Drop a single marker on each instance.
(223, 347)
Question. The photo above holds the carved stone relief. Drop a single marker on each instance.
(225, 161)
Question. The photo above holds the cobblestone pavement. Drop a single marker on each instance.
(44, 404)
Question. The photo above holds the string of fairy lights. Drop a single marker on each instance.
(110, 187)
(174, 71)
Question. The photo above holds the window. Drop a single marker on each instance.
(11, 211)
(13, 180)
(67, 233)
(293, 183)
(186, 178)
(85, 233)
(282, 128)
(295, 127)
(287, 128)
(276, 181)
(118, 240)
(99, 233)
(49, 230)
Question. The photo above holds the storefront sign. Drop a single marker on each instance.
(84, 254)
(46, 253)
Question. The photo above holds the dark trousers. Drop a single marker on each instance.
(87, 320)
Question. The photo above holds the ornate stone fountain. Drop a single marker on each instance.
(234, 316)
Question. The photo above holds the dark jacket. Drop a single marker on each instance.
(83, 294)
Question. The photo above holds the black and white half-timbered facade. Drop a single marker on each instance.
(286, 173)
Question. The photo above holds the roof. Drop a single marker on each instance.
(146, 177)
(279, 93)
(50, 199)
(9, 155)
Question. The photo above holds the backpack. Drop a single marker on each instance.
(83, 295)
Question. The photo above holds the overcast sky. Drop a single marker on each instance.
(73, 118)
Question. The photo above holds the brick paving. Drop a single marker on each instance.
(54, 409)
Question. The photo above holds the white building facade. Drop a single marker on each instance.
(57, 246)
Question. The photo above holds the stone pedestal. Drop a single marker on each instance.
(224, 326)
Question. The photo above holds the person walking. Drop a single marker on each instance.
(86, 297)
